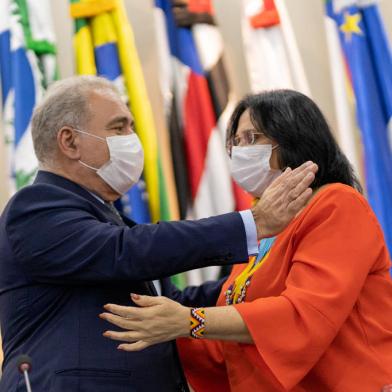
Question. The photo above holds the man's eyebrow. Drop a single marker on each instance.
(120, 119)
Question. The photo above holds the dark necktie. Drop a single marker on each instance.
(115, 213)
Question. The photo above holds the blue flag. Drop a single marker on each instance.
(369, 61)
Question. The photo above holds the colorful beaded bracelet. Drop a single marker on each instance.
(197, 318)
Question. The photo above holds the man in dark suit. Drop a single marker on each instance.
(65, 251)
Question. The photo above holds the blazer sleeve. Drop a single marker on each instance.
(195, 296)
(337, 245)
(62, 241)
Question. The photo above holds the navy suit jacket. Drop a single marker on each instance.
(63, 255)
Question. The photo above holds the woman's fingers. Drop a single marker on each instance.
(123, 311)
(132, 312)
(154, 320)
(125, 336)
(139, 345)
(147, 300)
(121, 322)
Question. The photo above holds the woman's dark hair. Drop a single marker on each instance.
(296, 123)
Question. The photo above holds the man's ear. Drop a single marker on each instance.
(68, 143)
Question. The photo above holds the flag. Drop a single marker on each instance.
(271, 51)
(368, 57)
(199, 15)
(104, 45)
(347, 132)
(207, 167)
(27, 67)
(167, 85)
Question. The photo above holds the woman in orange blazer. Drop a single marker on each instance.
(313, 310)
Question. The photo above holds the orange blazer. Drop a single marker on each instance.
(319, 309)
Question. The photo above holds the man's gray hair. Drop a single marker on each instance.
(66, 103)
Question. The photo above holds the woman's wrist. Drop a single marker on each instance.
(183, 322)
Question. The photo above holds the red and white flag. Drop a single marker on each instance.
(271, 51)
(192, 70)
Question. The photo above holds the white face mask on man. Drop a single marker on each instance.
(125, 164)
(250, 167)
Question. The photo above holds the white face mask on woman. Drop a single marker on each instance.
(125, 164)
(250, 167)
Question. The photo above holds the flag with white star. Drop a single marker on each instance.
(367, 59)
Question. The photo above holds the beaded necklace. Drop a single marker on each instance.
(236, 292)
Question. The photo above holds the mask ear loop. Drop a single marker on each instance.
(90, 167)
(89, 134)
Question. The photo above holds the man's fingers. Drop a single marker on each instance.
(281, 179)
(296, 205)
(139, 345)
(301, 187)
(300, 172)
(291, 178)
(298, 182)
(296, 174)
(283, 199)
(305, 167)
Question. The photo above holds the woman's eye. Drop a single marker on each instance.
(248, 137)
